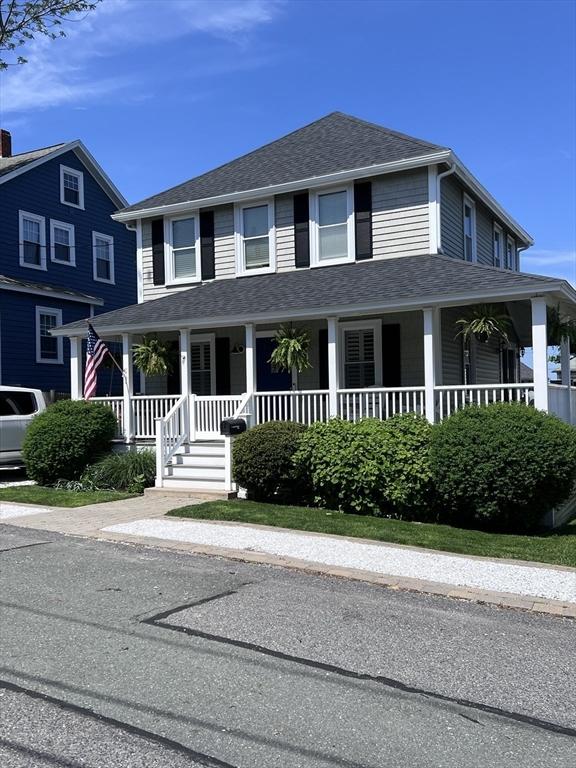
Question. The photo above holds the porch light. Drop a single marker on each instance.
(237, 349)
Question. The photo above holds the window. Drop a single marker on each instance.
(469, 229)
(361, 363)
(511, 253)
(333, 227)
(62, 243)
(498, 250)
(32, 241)
(183, 250)
(17, 403)
(103, 255)
(48, 347)
(71, 187)
(202, 375)
(255, 249)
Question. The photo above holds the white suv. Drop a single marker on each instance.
(18, 406)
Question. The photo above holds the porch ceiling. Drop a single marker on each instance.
(386, 285)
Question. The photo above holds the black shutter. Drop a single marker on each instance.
(301, 230)
(207, 245)
(391, 356)
(158, 252)
(363, 219)
(222, 366)
(323, 358)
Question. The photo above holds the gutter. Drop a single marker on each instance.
(439, 178)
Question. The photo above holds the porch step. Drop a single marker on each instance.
(186, 460)
(187, 492)
(194, 472)
(202, 448)
(199, 484)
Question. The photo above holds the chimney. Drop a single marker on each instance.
(5, 143)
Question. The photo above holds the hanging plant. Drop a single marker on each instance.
(560, 327)
(292, 349)
(484, 322)
(152, 356)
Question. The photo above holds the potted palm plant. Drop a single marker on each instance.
(292, 350)
(153, 356)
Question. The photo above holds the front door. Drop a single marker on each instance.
(268, 380)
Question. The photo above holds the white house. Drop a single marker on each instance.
(373, 241)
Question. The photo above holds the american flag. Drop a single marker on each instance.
(95, 353)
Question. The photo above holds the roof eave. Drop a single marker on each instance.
(290, 186)
(560, 289)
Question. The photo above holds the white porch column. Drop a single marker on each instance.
(333, 378)
(540, 352)
(565, 376)
(127, 387)
(76, 382)
(186, 381)
(250, 346)
(431, 318)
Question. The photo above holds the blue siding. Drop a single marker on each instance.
(38, 191)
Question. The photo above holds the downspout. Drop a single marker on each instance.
(518, 249)
(439, 178)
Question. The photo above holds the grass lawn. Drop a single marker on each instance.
(56, 497)
(557, 547)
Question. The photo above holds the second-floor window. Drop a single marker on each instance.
(103, 257)
(71, 187)
(255, 238)
(469, 229)
(183, 250)
(332, 227)
(498, 251)
(510, 253)
(62, 243)
(32, 239)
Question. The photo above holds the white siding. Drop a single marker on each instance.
(400, 214)
(284, 210)
(224, 253)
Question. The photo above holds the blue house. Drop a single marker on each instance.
(62, 259)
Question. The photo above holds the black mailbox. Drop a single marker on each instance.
(231, 427)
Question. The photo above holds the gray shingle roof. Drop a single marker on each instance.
(386, 282)
(11, 282)
(334, 143)
(9, 164)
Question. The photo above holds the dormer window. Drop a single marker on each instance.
(255, 242)
(71, 187)
(469, 229)
(332, 230)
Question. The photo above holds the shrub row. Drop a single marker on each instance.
(502, 466)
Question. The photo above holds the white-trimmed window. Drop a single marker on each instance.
(469, 225)
(332, 227)
(48, 347)
(361, 354)
(511, 253)
(32, 238)
(182, 237)
(498, 246)
(255, 238)
(62, 245)
(71, 187)
(103, 257)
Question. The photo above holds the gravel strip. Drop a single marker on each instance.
(383, 559)
(15, 510)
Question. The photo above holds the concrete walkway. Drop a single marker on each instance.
(511, 583)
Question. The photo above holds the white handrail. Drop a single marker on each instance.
(171, 432)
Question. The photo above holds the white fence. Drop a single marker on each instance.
(380, 403)
(562, 402)
(454, 398)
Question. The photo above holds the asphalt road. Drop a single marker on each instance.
(123, 656)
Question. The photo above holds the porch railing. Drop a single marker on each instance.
(171, 433)
(116, 404)
(209, 411)
(146, 409)
(454, 398)
(562, 402)
(379, 403)
(306, 406)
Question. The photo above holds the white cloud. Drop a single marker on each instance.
(58, 72)
(555, 263)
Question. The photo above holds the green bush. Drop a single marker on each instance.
(65, 438)
(371, 466)
(502, 466)
(131, 471)
(262, 461)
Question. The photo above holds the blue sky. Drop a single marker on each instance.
(161, 90)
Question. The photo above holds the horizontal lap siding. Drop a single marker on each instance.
(451, 221)
(484, 230)
(400, 224)
(224, 252)
(488, 362)
(284, 216)
(452, 362)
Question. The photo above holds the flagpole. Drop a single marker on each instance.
(111, 355)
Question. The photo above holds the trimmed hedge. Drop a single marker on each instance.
(131, 471)
(502, 466)
(371, 466)
(65, 438)
(262, 461)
